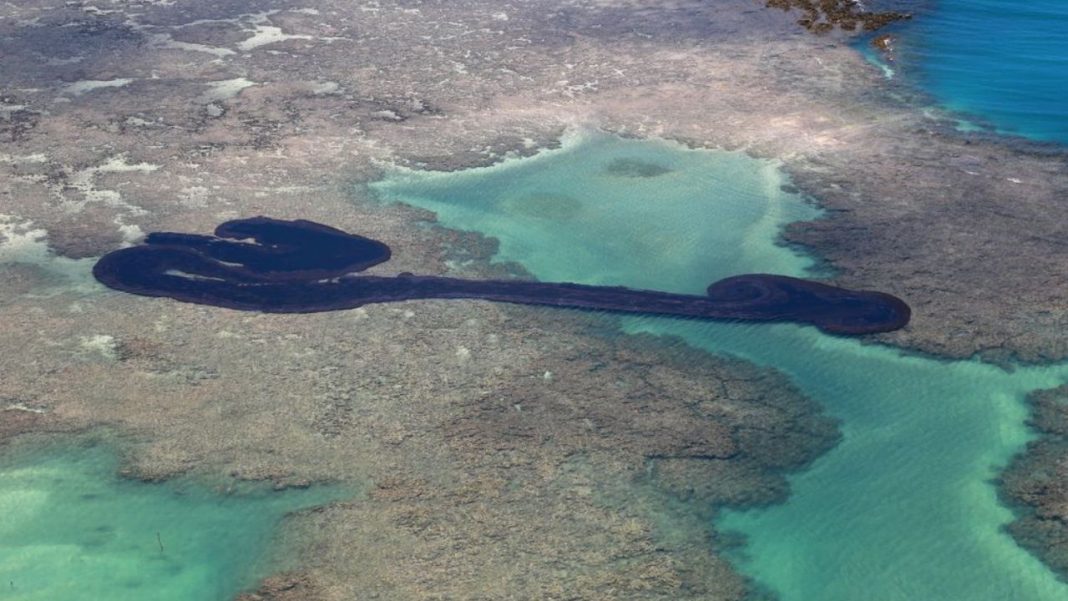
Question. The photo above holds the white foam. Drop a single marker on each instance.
(25, 408)
(88, 85)
(326, 87)
(7, 109)
(225, 89)
(101, 344)
(268, 34)
(166, 41)
(13, 159)
(130, 233)
(21, 242)
(84, 181)
(139, 122)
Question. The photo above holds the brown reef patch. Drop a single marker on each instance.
(885, 44)
(821, 16)
(292, 586)
(1036, 482)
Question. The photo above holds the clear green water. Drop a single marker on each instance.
(903, 508)
(72, 530)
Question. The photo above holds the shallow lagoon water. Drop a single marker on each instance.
(673, 212)
(903, 508)
(71, 528)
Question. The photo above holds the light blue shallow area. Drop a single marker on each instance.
(1003, 60)
(903, 509)
(72, 530)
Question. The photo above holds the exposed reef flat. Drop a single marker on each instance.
(279, 110)
(486, 430)
(948, 222)
(1036, 482)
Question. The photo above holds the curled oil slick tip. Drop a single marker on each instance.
(277, 266)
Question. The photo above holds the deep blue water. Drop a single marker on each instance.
(1003, 61)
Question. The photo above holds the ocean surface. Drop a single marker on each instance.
(72, 529)
(1003, 63)
(903, 509)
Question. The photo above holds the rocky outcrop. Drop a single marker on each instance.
(822, 16)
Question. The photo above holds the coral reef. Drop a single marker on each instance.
(188, 114)
(1036, 483)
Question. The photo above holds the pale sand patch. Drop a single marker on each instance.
(88, 85)
(268, 34)
(166, 41)
(21, 242)
(84, 181)
(225, 89)
(101, 344)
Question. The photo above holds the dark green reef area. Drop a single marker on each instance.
(302, 267)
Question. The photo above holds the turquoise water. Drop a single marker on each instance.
(545, 208)
(903, 508)
(1003, 60)
(72, 530)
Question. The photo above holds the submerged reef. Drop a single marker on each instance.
(489, 433)
(636, 168)
(305, 267)
(1036, 482)
(283, 587)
